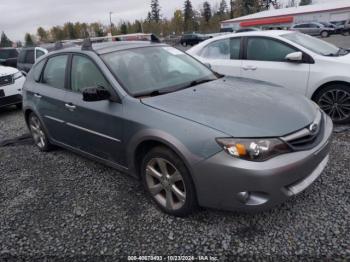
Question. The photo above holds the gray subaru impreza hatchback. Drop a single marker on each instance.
(194, 138)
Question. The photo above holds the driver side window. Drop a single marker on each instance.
(86, 74)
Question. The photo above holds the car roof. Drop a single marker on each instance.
(255, 33)
(108, 47)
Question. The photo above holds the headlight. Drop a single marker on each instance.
(17, 75)
(253, 149)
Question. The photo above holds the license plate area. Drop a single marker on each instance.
(2, 93)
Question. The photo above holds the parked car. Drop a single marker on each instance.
(8, 56)
(344, 25)
(337, 29)
(304, 64)
(192, 136)
(11, 82)
(314, 28)
(192, 39)
(28, 56)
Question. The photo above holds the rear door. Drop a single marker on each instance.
(94, 127)
(223, 56)
(265, 61)
(49, 93)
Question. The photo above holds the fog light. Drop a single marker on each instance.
(243, 196)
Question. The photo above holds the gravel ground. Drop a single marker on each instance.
(60, 206)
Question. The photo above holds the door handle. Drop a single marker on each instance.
(70, 107)
(250, 67)
(37, 95)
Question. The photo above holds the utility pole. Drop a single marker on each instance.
(110, 21)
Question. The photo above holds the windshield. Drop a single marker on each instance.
(316, 45)
(160, 69)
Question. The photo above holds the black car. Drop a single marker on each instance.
(192, 39)
(28, 56)
(8, 56)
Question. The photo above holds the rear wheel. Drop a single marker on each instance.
(324, 34)
(38, 133)
(168, 182)
(335, 101)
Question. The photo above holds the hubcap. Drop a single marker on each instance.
(165, 183)
(37, 132)
(336, 103)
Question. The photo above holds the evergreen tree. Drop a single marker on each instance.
(232, 8)
(305, 2)
(188, 16)
(41, 32)
(155, 11)
(222, 8)
(28, 40)
(5, 41)
(206, 11)
(124, 28)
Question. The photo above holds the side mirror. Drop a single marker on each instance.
(93, 94)
(296, 57)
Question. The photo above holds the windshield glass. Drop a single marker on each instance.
(161, 69)
(316, 45)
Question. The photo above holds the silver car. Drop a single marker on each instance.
(192, 136)
(314, 28)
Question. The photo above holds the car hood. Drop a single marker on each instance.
(6, 70)
(239, 107)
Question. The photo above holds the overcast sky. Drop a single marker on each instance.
(20, 16)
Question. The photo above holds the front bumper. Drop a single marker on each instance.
(12, 94)
(221, 180)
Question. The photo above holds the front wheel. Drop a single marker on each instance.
(335, 101)
(168, 182)
(38, 133)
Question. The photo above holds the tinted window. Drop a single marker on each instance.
(37, 70)
(54, 73)
(235, 48)
(264, 49)
(29, 58)
(217, 50)
(8, 53)
(86, 74)
(39, 53)
(22, 56)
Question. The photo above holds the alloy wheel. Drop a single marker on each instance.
(336, 103)
(37, 132)
(165, 183)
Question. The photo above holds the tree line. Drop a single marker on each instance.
(206, 19)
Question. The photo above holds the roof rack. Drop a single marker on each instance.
(87, 43)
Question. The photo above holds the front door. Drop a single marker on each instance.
(265, 61)
(94, 127)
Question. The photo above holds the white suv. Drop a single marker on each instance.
(310, 66)
(11, 82)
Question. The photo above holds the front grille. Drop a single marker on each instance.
(307, 137)
(6, 80)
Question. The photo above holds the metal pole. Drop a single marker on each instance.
(110, 21)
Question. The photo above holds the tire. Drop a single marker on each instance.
(168, 182)
(38, 133)
(335, 101)
(324, 34)
(19, 106)
(184, 44)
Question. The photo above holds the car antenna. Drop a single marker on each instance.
(87, 45)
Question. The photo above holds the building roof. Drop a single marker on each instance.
(323, 7)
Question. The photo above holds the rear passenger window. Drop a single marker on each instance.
(29, 59)
(86, 74)
(55, 71)
(264, 49)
